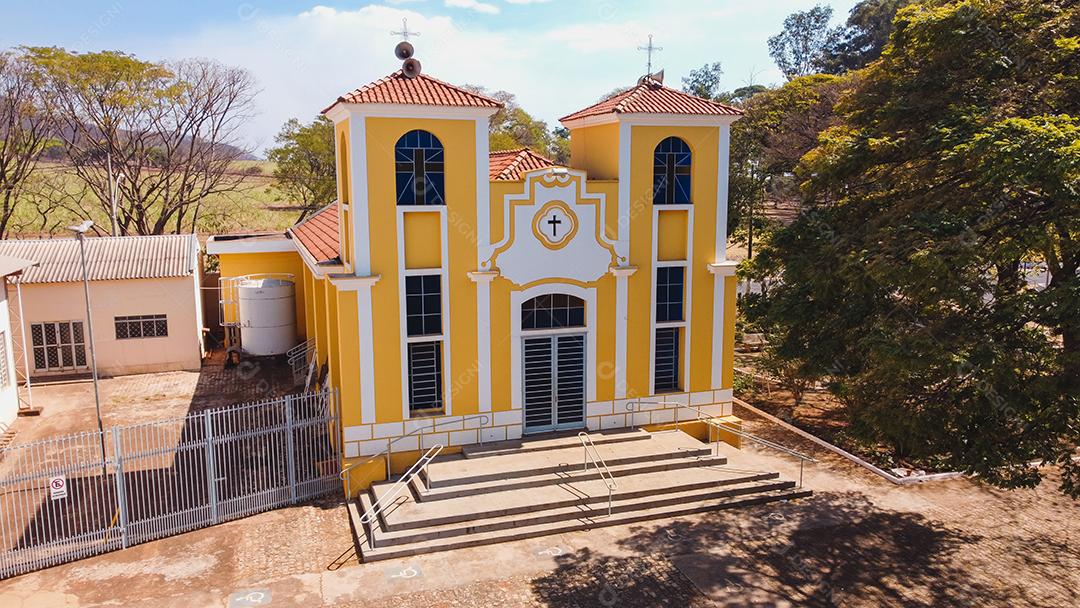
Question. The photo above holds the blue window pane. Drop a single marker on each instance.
(671, 172)
(420, 177)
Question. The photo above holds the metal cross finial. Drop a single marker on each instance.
(649, 48)
(405, 33)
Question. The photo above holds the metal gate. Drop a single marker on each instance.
(71, 497)
(553, 382)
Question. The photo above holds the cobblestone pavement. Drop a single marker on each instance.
(859, 541)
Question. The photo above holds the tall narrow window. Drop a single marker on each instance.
(423, 321)
(421, 180)
(670, 328)
(671, 172)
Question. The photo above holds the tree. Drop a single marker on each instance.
(306, 169)
(797, 50)
(704, 81)
(779, 126)
(956, 159)
(861, 40)
(26, 126)
(512, 127)
(170, 132)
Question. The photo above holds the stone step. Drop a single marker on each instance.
(583, 522)
(590, 511)
(454, 469)
(544, 479)
(408, 515)
(550, 441)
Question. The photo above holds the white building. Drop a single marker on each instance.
(10, 268)
(145, 298)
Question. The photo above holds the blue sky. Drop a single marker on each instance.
(555, 55)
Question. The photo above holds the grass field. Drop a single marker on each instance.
(257, 206)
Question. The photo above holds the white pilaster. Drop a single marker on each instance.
(625, 211)
(622, 275)
(483, 336)
(358, 166)
(722, 177)
(719, 271)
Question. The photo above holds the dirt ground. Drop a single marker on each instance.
(68, 407)
(859, 541)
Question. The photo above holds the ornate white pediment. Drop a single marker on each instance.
(553, 230)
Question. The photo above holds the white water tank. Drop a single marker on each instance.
(267, 316)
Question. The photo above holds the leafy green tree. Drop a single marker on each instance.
(779, 126)
(797, 50)
(955, 161)
(169, 130)
(512, 127)
(26, 129)
(704, 81)
(305, 166)
(861, 40)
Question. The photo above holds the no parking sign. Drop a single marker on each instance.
(58, 487)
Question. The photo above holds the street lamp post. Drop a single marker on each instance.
(80, 235)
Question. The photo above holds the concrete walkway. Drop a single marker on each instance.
(859, 541)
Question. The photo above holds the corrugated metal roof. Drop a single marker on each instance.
(107, 258)
(11, 265)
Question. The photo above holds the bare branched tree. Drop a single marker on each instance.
(25, 127)
(169, 132)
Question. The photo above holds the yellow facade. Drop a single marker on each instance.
(450, 288)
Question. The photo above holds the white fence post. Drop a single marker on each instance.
(121, 494)
(211, 473)
(290, 447)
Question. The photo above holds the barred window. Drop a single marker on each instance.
(423, 305)
(418, 164)
(141, 326)
(669, 293)
(58, 345)
(425, 376)
(666, 373)
(671, 172)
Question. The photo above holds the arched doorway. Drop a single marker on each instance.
(553, 362)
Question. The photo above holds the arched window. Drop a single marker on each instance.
(553, 311)
(418, 158)
(671, 172)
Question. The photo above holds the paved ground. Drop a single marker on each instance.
(859, 541)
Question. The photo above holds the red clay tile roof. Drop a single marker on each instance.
(654, 98)
(319, 234)
(511, 164)
(422, 90)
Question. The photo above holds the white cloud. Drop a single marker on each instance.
(304, 61)
(527, 1)
(473, 5)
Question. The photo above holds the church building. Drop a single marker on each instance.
(453, 294)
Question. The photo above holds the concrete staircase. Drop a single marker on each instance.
(523, 489)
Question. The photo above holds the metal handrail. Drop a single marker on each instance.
(372, 513)
(709, 420)
(344, 475)
(601, 466)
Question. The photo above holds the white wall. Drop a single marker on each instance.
(9, 392)
(177, 298)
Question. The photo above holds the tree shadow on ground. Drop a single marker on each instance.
(835, 549)
(584, 579)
